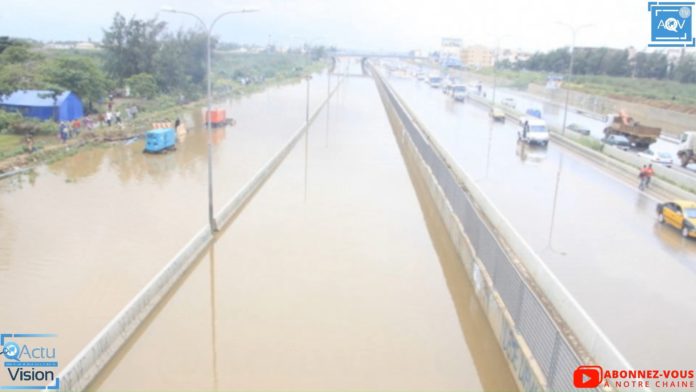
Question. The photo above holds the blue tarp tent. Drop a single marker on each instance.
(40, 104)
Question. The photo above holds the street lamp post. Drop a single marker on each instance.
(495, 65)
(574, 30)
(208, 31)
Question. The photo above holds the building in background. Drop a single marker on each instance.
(513, 55)
(477, 56)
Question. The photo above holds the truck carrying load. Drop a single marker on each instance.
(687, 148)
(640, 136)
(218, 118)
(160, 140)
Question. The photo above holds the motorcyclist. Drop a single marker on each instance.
(649, 172)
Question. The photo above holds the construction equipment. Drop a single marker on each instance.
(687, 148)
(640, 136)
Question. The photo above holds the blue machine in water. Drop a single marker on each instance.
(160, 140)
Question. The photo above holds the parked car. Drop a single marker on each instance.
(509, 102)
(435, 81)
(459, 92)
(680, 214)
(531, 112)
(579, 129)
(619, 141)
(660, 157)
(497, 115)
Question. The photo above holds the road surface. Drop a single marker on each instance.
(635, 277)
(331, 278)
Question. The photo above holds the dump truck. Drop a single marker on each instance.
(687, 148)
(640, 136)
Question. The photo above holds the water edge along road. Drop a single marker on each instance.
(331, 278)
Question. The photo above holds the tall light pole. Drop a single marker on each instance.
(495, 65)
(574, 30)
(306, 146)
(208, 31)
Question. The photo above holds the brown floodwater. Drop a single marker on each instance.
(80, 237)
(337, 275)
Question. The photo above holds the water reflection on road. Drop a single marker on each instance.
(636, 278)
(80, 237)
(349, 286)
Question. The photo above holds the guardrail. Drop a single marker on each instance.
(543, 331)
(82, 370)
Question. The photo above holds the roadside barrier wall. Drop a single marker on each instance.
(83, 369)
(544, 333)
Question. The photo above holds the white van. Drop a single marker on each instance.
(534, 131)
(435, 81)
(459, 92)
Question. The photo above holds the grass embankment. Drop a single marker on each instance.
(234, 75)
(665, 94)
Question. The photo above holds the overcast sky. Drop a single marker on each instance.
(361, 24)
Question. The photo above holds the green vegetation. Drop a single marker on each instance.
(660, 92)
(514, 78)
(649, 89)
(650, 77)
(10, 145)
(159, 71)
(611, 62)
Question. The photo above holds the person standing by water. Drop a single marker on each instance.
(63, 131)
(642, 175)
(649, 172)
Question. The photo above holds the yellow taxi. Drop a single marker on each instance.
(680, 214)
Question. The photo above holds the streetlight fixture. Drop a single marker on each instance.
(574, 30)
(495, 65)
(208, 30)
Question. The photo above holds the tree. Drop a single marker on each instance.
(180, 63)
(685, 70)
(651, 65)
(79, 75)
(130, 47)
(142, 85)
(17, 54)
(6, 42)
(15, 77)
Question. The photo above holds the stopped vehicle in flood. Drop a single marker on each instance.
(160, 140)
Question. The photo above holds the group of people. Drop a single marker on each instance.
(646, 173)
(70, 129)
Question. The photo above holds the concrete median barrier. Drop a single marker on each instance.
(544, 333)
(89, 362)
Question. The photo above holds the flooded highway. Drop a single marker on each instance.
(635, 277)
(82, 236)
(337, 275)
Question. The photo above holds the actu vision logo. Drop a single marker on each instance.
(30, 362)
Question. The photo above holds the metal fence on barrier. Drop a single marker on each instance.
(551, 350)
